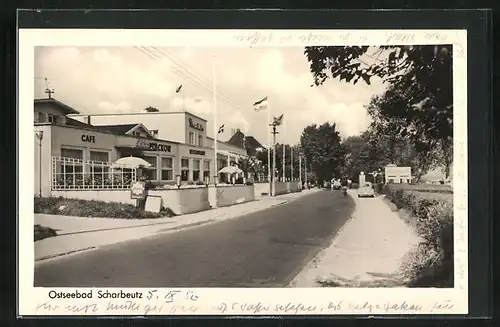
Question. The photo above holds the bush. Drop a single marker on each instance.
(84, 208)
(354, 185)
(431, 263)
(41, 232)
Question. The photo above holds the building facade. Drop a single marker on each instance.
(79, 146)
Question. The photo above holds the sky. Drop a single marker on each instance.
(129, 79)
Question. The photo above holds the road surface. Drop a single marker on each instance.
(262, 249)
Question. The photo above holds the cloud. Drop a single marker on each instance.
(121, 107)
(125, 80)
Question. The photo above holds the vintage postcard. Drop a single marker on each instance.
(242, 172)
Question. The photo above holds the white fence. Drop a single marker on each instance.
(76, 174)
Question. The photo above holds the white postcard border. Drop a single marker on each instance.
(242, 301)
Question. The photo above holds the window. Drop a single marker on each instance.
(99, 159)
(191, 138)
(184, 170)
(221, 163)
(196, 170)
(51, 118)
(39, 117)
(167, 169)
(206, 169)
(102, 156)
(70, 165)
(200, 140)
(151, 171)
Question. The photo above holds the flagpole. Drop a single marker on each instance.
(284, 150)
(214, 120)
(269, 147)
(300, 171)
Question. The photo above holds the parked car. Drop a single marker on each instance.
(337, 185)
(366, 190)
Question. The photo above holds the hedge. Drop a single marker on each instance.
(84, 208)
(42, 232)
(430, 264)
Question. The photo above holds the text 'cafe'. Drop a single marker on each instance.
(71, 146)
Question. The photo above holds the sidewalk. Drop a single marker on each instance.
(76, 234)
(366, 252)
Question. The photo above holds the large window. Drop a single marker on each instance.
(69, 165)
(51, 118)
(101, 156)
(200, 140)
(184, 170)
(151, 171)
(167, 169)
(196, 169)
(206, 169)
(99, 160)
(191, 138)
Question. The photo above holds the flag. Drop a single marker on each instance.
(221, 129)
(278, 120)
(260, 105)
(178, 89)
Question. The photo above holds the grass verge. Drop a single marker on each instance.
(431, 263)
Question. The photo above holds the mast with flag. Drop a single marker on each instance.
(214, 123)
(258, 106)
(284, 151)
(221, 129)
(178, 90)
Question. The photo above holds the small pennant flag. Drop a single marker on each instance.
(178, 89)
(221, 129)
(260, 105)
(278, 120)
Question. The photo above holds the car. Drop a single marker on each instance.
(366, 190)
(337, 185)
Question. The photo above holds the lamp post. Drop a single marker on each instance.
(178, 181)
(39, 136)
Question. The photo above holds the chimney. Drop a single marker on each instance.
(88, 120)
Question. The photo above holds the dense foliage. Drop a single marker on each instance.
(321, 146)
(415, 113)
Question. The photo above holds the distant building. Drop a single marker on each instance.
(397, 175)
(249, 143)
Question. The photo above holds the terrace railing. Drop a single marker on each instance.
(77, 174)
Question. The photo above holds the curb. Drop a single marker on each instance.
(291, 283)
(175, 228)
(51, 256)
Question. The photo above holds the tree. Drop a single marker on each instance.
(420, 79)
(249, 165)
(321, 145)
(151, 109)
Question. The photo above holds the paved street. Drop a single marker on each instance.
(264, 249)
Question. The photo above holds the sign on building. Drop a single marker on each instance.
(397, 175)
